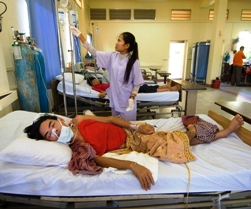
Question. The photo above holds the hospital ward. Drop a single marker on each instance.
(136, 104)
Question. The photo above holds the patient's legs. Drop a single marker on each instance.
(235, 123)
(191, 133)
(168, 87)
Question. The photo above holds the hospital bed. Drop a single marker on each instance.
(35, 172)
(147, 103)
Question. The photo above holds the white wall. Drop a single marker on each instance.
(154, 37)
(16, 16)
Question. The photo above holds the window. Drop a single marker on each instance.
(246, 14)
(181, 14)
(120, 14)
(144, 14)
(211, 14)
(98, 14)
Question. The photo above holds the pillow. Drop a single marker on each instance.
(28, 151)
(68, 77)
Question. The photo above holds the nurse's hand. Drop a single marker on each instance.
(75, 31)
(130, 105)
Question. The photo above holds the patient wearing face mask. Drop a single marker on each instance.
(106, 134)
(65, 135)
(53, 128)
(59, 132)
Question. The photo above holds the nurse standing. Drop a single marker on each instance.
(124, 72)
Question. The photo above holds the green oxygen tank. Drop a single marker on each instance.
(26, 78)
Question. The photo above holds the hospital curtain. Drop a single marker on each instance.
(43, 28)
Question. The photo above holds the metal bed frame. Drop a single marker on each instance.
(101, 106)
(228, 199)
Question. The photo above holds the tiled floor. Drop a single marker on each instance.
(226, 92)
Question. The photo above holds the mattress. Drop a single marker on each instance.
(220, 166)
(84, 90)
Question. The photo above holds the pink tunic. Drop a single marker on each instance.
(119, 92)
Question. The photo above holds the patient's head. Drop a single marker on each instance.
(92, 81)
(48, 127)
(51, 128)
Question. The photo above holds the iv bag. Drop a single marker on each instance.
(61, 15)
(73, 17)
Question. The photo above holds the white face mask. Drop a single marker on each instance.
(66, 134)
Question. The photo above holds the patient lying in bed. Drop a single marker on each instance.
(90, 137)
(101, 87)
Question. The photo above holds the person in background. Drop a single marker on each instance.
(237, 67)
(124, 73)
(102, 87)
(231, 64)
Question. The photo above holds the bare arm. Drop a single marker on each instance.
(77, 32)
(82, 38)
(142, 174)
(134, 92)
(144, 129)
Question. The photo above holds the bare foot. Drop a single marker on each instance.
(175, 88)
(236, 123)
(168, 85)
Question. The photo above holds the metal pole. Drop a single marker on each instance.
(62, 61)
(72, 68)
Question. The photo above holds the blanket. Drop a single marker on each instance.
(167, 146)
(82, 160)
(143, 159)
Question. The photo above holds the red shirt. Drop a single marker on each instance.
(101, 87)
(103, 137)
(238, 58)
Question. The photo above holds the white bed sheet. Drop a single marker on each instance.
(84, 90)
(220, 166)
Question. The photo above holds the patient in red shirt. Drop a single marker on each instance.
(101, 87)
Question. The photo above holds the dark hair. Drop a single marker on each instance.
(130, 39)
(90, 79)
(33, 130)
(242, 47)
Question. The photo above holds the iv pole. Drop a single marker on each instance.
(72, 63)
(62, 61)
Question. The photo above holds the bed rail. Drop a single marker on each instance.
(194, 200)
(242, 133)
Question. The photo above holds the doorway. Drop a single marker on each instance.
(176, 59)
(244, 40)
